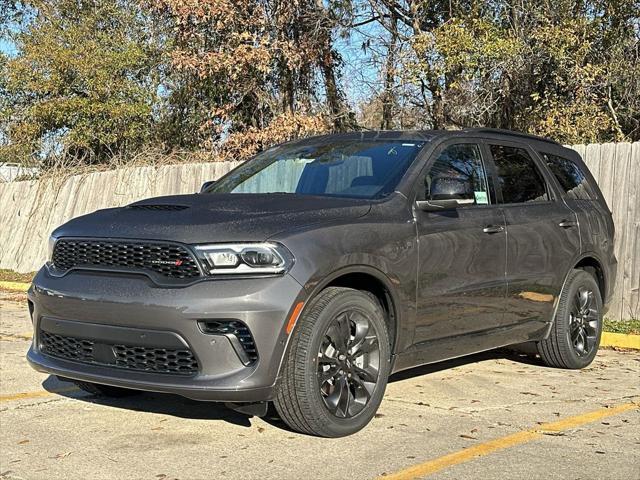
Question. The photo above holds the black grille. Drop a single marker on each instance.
(145, 359)
(236, 328)
(171, 261)
(158, 207)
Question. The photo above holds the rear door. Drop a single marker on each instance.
(582, 196)
(542, 232)
(462, 252)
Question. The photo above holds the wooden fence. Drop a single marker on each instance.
(616, 167)
(30, 210)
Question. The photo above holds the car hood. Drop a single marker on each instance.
(203, 218)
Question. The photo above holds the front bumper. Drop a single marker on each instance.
(131, 309)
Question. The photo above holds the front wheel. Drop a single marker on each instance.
(337, 366)
(575, 335)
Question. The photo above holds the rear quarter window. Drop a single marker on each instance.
(570, 177)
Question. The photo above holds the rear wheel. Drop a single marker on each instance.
(575, 335)
(336, 369)
(105, 390)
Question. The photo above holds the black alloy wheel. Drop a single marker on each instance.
(583, 318)
(574, 337)
(348, 363)
(337, 364)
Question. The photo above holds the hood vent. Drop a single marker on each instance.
(158, 207)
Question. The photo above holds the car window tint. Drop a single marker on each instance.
(458, 174)
(570, 177)
(518, 175)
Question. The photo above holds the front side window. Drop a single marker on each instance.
(458, 174)
(570, 177)
(518, 175)
(340, 168)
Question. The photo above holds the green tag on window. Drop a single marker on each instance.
(481, 198)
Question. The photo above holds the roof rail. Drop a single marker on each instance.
(511, 133)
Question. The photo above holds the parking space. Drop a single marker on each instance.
(494, 415)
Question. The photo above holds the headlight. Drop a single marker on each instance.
(52, 242)
(244, 258)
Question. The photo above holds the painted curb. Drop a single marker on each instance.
(620, 340)
(14, 286)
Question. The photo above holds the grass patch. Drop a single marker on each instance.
(11, 276)
(631, 327)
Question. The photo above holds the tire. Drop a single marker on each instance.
(105, 390)
(571, 327)
(306, 392)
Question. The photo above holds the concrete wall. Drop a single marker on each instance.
(30, 210)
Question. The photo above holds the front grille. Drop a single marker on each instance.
(168, 260)
(144, 359)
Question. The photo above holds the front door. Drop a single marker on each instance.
(462, 252)
(542, 234)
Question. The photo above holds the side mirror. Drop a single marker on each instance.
(437, 205)
(444, 193)
(450, 188)
(206, 185)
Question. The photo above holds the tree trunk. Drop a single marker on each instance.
(388, 101)
(340, 116)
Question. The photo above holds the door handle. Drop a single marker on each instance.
(567, 224)
(493, 229)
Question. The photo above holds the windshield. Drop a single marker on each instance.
(342, 168)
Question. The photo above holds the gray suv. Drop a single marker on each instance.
(308, 275)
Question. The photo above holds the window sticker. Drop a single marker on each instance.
(481, 198)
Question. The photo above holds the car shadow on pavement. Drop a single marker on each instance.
(181, 407)
(151, 402)
(502, 353)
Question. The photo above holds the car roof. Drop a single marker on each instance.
(429, 135)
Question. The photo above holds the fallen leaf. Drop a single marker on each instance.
(22, 442)
(260, 429)
(469, 437)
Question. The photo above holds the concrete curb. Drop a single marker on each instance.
(14, 286)
(620, 340)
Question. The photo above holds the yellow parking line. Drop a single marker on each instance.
(38, 394)
(17, 336)
(14, 286)
(519, 438)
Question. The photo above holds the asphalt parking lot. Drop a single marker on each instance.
(494, 415)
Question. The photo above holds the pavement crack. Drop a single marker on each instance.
(23, 406)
